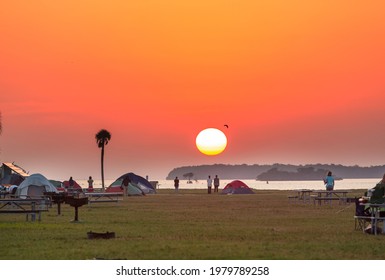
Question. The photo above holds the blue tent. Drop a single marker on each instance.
(135, 181)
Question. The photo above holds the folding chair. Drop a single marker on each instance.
(361, 217)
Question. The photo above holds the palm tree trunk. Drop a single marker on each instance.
(102, 165)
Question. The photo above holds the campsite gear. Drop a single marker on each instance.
(377, 193)
(100, 235)
(237, 187)
(76, 202)
(34, 186)
(74, 189)
(57, 198)
(11, 179)
(362, 215)
(137, 185)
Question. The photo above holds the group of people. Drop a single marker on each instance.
(71, 184)
(209, 184)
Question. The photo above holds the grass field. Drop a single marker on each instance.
(193, 225)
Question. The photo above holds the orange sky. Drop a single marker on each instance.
(297, 82)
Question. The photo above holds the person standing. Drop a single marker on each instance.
(209, 184)
(329, 181)
(216, 183)
(71, 182)
(176, 184)
(124, 185)
(71, 186)
(90, 184)
(329, 184)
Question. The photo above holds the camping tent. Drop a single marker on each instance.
(76, 188)
(34, 186)
(237, 187)
(56, 183)
(11, 179)
(137, 185)
(132, 188)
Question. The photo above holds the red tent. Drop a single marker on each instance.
(237, 187)
(66, 185)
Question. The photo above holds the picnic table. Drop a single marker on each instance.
(24, 206)
(95, 197)
(301, 195)
(329, 196)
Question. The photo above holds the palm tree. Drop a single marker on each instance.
(102, 138)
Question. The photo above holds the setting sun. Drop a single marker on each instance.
(211, 141)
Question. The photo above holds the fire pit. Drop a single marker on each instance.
(76, 202)
(100, 235)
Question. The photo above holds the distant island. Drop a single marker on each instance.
(276, 172)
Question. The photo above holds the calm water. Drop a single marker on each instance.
(259, 185)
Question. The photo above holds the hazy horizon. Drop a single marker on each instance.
(296, 82)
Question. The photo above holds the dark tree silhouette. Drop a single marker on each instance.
(102, 139)
(188, 176)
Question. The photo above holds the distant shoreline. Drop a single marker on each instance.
(276, 171)
(362, 184)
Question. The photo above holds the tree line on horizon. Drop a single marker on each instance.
(277, 171)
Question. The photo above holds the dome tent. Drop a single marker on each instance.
(137, 185)
(34, 186)
(237, 187)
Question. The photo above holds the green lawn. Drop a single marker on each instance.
(193, 225)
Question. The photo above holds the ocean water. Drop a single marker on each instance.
(345, 184)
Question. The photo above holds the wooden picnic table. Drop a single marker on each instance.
(301, 195)
(95, 197)
(24, 206)
(329, 196)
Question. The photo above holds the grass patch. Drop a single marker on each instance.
(193, 225)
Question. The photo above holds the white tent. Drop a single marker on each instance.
(34, 186)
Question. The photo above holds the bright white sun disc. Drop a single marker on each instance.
(211, 141)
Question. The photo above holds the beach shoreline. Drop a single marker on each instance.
(346, 184)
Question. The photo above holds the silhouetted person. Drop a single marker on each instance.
(90, 184)
(176, 184)
(216, 183)
(124, 186)
(209, 184)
